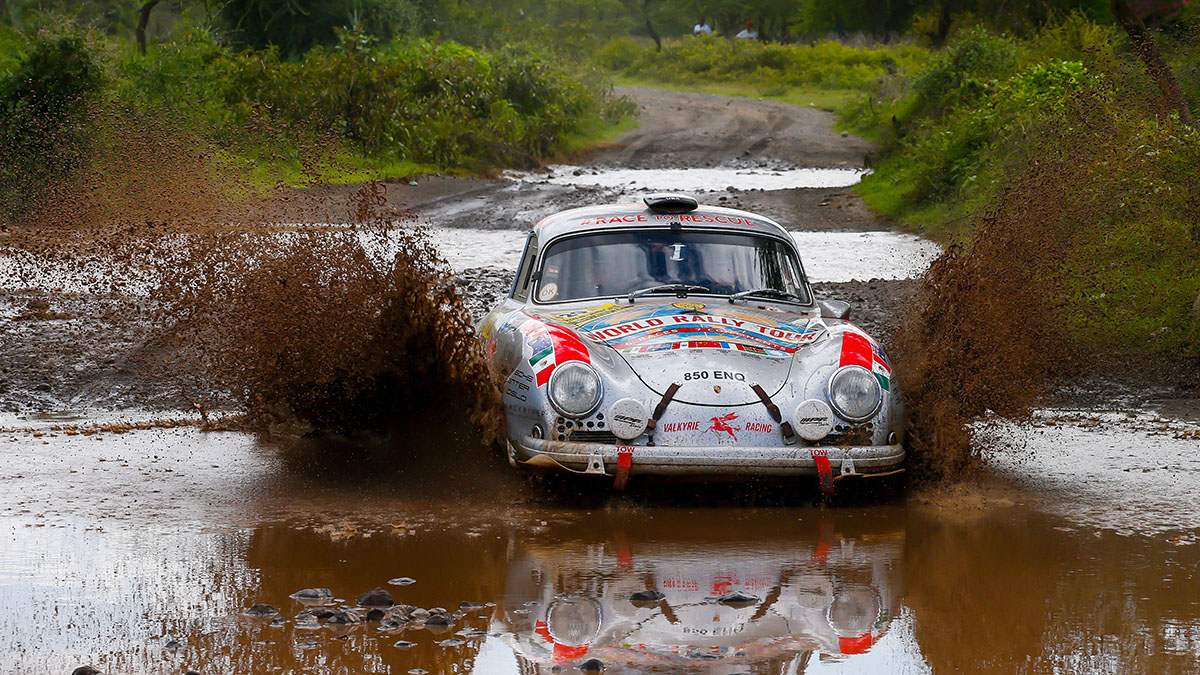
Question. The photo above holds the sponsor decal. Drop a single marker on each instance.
(693, 327)
(671, 427)
(710, 218)
(860, 350)
(550, 345)
(588, 315)
(722, 424)
(704, 344)
(759, 427)
(690, 306)
(880, 366)
(548, 292)
(607, 220)
(516, 389)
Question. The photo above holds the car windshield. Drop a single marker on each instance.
(619, 263)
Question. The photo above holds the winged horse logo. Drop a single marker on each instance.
(721, 423)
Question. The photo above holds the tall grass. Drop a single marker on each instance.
(767, 68)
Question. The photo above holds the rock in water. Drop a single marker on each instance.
(261, 610)
(402, 581)
(86, 670)
(439, 618)
(646, 596)
(592, 666)
(736, 599)
(346, 616)
(375, 614)
(313, 594)
(376, 597)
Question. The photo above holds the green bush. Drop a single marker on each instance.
(1067, 126)
(44, 103)
(826, 65)
(411, 104)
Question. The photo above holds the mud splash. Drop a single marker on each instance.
(1028, 302)
(308, 329)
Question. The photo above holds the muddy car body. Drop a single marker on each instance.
(677, 339)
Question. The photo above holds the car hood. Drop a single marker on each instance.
(715, 352)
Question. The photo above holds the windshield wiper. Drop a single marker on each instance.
(680, 290)
(774, 292)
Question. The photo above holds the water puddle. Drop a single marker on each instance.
(140, 552)
(1126, 471)
(693, 180)
(827, 256)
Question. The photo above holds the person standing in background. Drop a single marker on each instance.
(702, 28)
(747, 33)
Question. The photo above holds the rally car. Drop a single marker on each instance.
(669, 338)
(638, 598)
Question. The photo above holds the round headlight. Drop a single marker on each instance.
(575, 389)
(573, 621)
(853, 611)
(855, 393)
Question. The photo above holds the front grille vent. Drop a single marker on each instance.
(590, 430)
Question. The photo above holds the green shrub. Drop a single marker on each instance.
(826, 65)
(1065, 126)
(404, 103)
(44, 103)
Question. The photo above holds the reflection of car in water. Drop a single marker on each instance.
(677, 339)
(737, 602)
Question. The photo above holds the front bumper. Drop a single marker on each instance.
(790, 460)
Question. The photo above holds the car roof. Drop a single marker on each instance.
(609, 216)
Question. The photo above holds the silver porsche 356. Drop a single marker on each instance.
(675, 339)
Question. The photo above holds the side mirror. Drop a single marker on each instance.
(834, 309)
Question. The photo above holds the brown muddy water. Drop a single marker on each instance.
(140, 552)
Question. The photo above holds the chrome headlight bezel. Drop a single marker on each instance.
(831, 386)
(556, 376)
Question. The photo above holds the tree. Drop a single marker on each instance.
(143, 20)
(642, 9)
(1156, 64)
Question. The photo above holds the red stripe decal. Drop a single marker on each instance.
(824, 470)
(855, 645)
(624, 462)
(856, 350)
(568, 346)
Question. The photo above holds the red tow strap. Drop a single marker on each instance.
(821, 457)
(624, 461)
